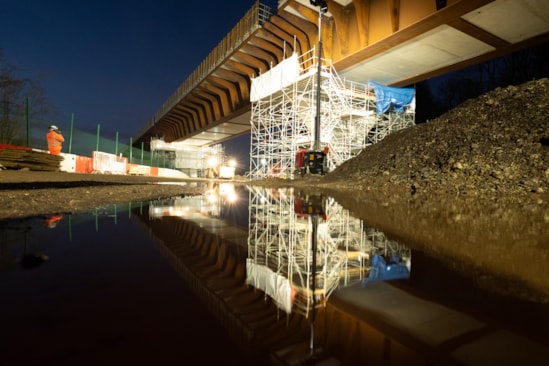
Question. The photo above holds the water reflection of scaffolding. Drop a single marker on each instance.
(280, 261)
(283, 116)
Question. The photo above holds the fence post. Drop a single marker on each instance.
(70, 133)
(116, 144)
(97, 140)
(131, 150)
(28, 143)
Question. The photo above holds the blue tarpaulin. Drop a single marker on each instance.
(381, 271)
(387, 96)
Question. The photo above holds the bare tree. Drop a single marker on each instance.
(15, 91)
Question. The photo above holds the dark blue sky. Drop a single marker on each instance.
(113, 62)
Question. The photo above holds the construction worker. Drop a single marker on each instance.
(55, 140)
(53, 220)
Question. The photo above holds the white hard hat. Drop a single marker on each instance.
(53, 128)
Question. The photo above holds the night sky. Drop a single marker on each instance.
(113, 62)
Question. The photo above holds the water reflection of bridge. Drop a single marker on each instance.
(380, 324)
(225, 265)
(215, 269)
(397, 43)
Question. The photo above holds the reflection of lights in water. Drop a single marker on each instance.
(207, 204)
(227, 191)
(211, 197)
(178, 210)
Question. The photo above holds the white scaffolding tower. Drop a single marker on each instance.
(283, 111)
(280, 248)
(283, 227)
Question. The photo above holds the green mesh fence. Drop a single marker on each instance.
(77, 141)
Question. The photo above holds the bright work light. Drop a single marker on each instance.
(320, 3)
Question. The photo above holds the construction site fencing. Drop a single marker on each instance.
(18, 126)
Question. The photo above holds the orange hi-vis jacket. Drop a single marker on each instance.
(55, 140)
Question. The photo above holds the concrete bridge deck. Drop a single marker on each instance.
(397, 43)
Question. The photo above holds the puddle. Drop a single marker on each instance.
(243, 274)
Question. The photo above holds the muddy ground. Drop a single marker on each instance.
(470, 188)
(25, 193)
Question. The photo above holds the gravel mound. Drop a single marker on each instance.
(495, 146)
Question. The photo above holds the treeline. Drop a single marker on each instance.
(443, 93)
(21, 99)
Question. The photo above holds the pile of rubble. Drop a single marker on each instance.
(494, 146)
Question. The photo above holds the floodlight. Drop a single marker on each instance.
(321, 4)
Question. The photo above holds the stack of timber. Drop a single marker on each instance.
(19, 157)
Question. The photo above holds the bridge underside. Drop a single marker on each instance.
(393, 42)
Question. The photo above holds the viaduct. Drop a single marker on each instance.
(393, 42)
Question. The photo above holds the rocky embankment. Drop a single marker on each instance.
(495, 146)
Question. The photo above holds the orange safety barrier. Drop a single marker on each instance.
(84, 164)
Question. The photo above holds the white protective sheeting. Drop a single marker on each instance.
(108, 163)
(284, 74)
(171, 173)
(273, 284)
